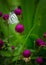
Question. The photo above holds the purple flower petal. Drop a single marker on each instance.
(12, 47)
(40, 42)
(18, 11)
(5, 16)
(39, 60)
(1, 14)
(26, 53)
(19, 28)
(1, 43)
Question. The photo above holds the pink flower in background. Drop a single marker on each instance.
(40, 42)
(19, 28)
(1, 43)
(26, 53)
(1, 14)
(18, 11)
(12, 47)
(6, 16)
(39, 60)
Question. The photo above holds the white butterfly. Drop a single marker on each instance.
(13, 19)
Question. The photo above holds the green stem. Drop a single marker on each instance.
(37, 51)
(36, 5)
(24, 43)
(8, 33)
(33, 26)
(21, 48)
(29, 33)
(8, 30)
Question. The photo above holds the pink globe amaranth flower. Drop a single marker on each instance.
(1, 43)
(1, 14)
(39, 60)
(12, 47)
(44, 35)
(6, 16)
(40, 42)
(26, 53)
(19, 28)
(18, 11)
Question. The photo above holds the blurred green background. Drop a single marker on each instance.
(33, 19)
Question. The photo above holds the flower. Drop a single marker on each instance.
(40, 42)
(5, 16)
(39, 60)
(26, 53)
(12, 47)
(0, 14)
(18, 11)
(19, 28)
(1, 43)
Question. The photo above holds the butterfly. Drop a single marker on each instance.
(13, 19)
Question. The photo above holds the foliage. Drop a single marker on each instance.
(33, 18)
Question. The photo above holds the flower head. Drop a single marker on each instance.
(5, 16)
(26, 53)
(12, 47)
(1, 43)
(18, 11)
(40, 42)
(19, 28)
(39, 60)
(0, 14)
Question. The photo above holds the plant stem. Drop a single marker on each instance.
(33, 26)
(21, 48)
(37, 51)
(8, 30)
(24, 43)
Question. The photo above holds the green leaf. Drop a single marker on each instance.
(34, 17)
(5, 53)
(44, 48)
(32, 50)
